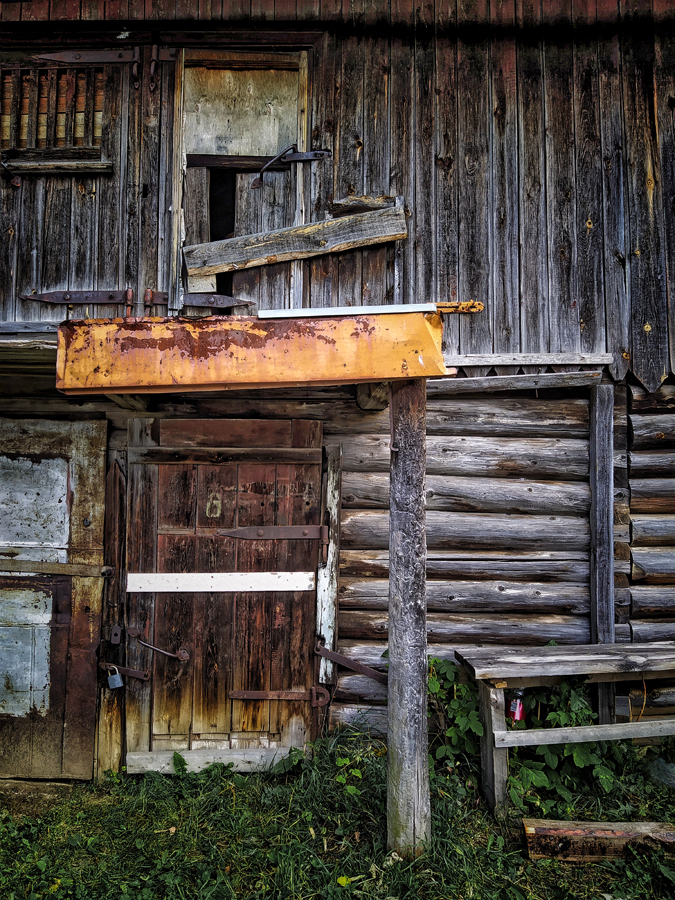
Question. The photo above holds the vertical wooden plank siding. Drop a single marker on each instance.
(350, 157)
(616, 260)
(602, 527)
(504, 213)
(665, 91)
(323, 270)
(474, 183)
(376, 159)
(425, 160)
(588, 178)
(649, 328)
(447, 222)
(328, 574)
(408, 808)
(560, 189)
(533, 244)
(402, 173)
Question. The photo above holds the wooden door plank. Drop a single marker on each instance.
(177, 499)
(174, 618)
(251, 663)
(225, 433)
(108, 234)
(214, 612)
(402, 174)
(665, 89)
(196, 210)
(141, 557)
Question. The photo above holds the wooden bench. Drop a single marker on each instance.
(498, 668)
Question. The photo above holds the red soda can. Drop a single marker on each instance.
(516, 710)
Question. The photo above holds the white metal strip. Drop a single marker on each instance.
(347, 311)
(151, 582)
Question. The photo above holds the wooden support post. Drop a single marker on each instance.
(408, 805)
(494, 761)
(602, 531)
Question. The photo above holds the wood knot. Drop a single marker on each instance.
(647, 328)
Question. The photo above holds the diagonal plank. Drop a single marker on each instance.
(298, 242)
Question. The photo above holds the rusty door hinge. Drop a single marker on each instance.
(120, 55)
(80, 298)
(131, 673)
(278, 533)
(317, 696)
(351, 664)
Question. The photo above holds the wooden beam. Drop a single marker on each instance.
(529, 359)
(492, 384)
(254, 759)
(592, 841)
(62, 167)
(579, 734)
(602, 531)
(217, 353)
(53, 568)
(327, 575)
(297, 242)
(494, 762)
(408, 804)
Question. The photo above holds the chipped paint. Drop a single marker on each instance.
(25, 617)
(220, 352)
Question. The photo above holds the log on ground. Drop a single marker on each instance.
(592, 841)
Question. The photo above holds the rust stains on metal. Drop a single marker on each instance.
(213, 353)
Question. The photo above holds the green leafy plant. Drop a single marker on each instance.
(561, 769)
(455, 723)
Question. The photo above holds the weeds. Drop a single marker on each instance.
(300, 833)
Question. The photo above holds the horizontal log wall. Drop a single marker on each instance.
(652, 514)
(508, 535)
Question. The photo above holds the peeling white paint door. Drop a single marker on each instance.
(51, 510)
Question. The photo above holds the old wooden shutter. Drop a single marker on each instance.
(86, 194)
(51, 552)
(188, 480)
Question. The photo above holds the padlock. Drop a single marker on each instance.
(114, 678)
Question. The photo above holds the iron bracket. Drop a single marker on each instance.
(278, 533)
(317, 695)
(351, 664)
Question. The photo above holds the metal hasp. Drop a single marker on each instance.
(317, 695)
(142, 675)
(289, 155)
(182, 653)
(352, 664)
(278, 533)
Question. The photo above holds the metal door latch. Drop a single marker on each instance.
(289, 155)
(130, 673)
(182, 653)
(317, 695)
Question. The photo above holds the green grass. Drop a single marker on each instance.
(303, 834)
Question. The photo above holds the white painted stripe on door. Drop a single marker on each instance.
(151, 582)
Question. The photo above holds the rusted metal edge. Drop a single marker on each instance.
(277, 532)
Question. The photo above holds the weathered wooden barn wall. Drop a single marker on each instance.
(536, 159)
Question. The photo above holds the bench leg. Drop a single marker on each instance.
(494, 762)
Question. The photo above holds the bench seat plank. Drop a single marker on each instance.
(501, 663)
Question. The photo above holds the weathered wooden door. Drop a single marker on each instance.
(51, 553)
(241, 110)
(189, 481)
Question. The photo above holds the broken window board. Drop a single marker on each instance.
(298, 242)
